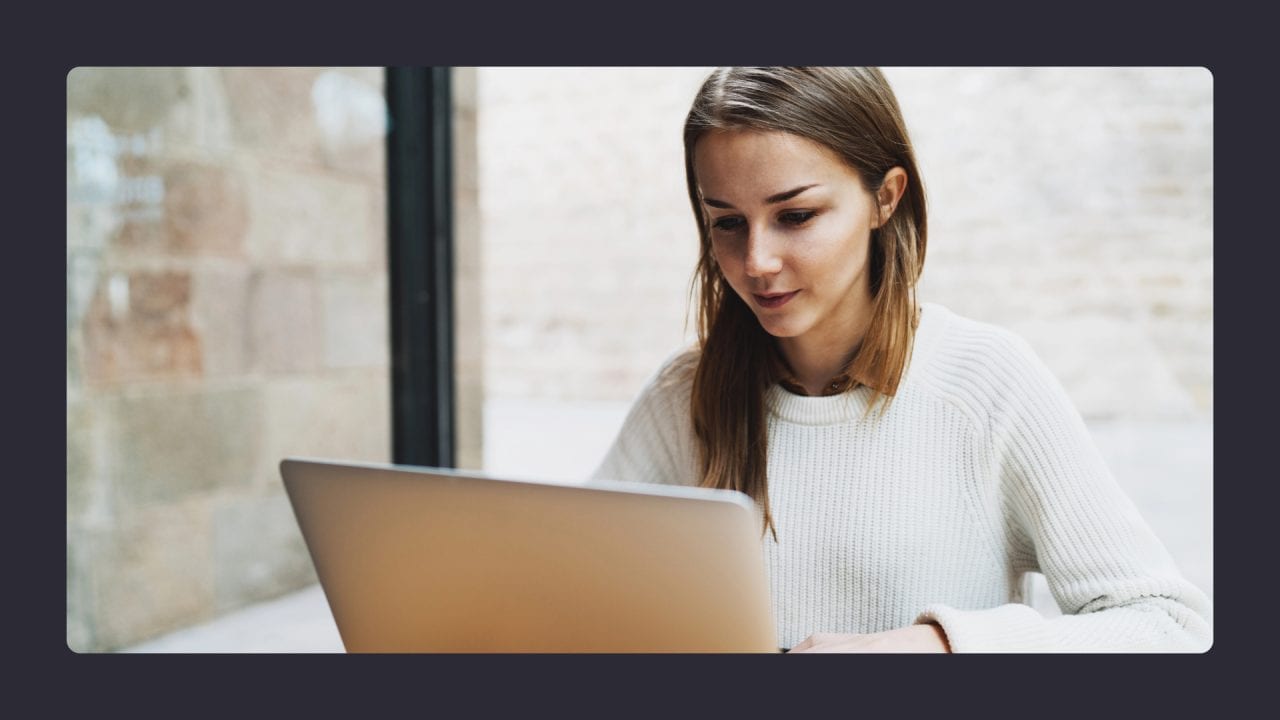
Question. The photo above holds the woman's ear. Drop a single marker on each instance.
(891, 190)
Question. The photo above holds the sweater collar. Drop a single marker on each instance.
(852, 405)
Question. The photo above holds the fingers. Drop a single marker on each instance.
(801, 646)
(810, 643)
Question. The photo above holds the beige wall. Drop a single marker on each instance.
(1075, 205)
(468, 289)
(226, 307)
(588, 241)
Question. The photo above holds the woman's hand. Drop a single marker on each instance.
(927, 638)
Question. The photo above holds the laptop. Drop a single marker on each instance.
(417, 559)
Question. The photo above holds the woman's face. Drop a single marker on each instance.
(790, 227)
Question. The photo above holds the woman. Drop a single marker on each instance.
(910, 465)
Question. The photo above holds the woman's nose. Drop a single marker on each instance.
(762, 256)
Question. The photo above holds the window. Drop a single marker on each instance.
(226, 307)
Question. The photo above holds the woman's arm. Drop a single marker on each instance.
(1118, 587)
(655, 443)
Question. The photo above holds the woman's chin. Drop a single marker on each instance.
(779, 328)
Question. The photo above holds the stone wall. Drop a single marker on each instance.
(226, 307)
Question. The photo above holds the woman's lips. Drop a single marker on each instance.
(775, 300)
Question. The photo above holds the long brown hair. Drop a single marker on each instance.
(853, 112)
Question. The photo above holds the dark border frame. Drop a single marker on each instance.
(420, 265)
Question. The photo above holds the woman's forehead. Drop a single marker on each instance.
(752, 162)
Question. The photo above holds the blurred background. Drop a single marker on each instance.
(228, 305)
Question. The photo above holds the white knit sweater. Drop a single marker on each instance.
(980, 471)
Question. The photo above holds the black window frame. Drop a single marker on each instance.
(420, 265)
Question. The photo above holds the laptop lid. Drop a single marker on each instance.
(418, 559)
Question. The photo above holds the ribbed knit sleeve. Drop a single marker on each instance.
(1116, 584)
(656, 441)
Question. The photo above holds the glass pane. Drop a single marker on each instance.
(226, 307)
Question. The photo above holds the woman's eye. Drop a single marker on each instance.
(797, 217)
(727, 224)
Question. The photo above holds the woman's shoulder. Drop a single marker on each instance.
(675, 373)
(965, 344)
(981, 364)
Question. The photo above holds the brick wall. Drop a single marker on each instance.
(587, 239)
(1076, 205)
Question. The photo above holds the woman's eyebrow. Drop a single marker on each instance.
(780, 197)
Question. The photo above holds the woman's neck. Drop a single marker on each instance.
(815, 360)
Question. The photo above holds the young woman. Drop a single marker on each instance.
(911, 466)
